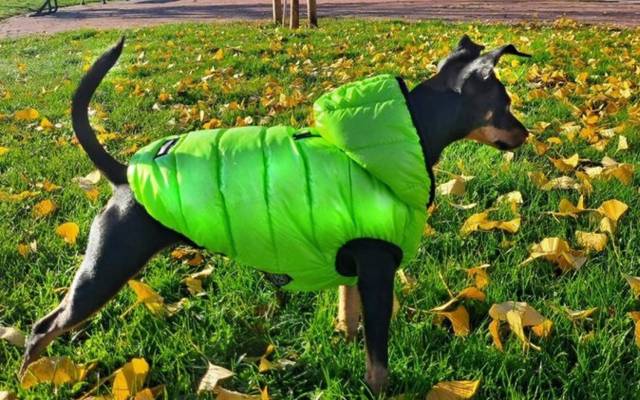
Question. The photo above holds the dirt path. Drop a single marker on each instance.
(136, 13)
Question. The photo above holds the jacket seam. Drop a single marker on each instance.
(265, 183)
(225, 211)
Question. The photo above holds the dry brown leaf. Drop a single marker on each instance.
(557, 251)
(453, 390)
(592, 241)
(212, 377)
(129, 379)
(68, 231)
(543, 330)
(471, 293)
(12, 335)
(54, 370)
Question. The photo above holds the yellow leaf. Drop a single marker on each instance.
(622, 143)
(634, 282)
(212, 377)
(212, 124)
(12, 335)
(44, 208)
(472, 293)
(68, 231)
(225, 394)
(28, 114)
(592, 241)
(579, 315)
(514, 319)
(635, 315)
(194, 286)
(92, 194)
(428, 230)
(613, 209)
(455, 186)
(149, 297)
(453, 390)
(538, 178)
(543, 330)
(129, 379)
(494, 330)
(479, 274)
(557, 251)
(567, 209)
(3, 150)
(480, 221)
(512, 198)
(55, 370)
(566, 164)
(46, 124)
(396, 307)
(17, 197)
(49, 186)
(459, 320)
(529, 315)
(562, 182)
(219, 55)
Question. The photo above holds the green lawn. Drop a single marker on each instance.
(14, 7)
(240, 314)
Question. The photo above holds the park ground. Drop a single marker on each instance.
(577, 94)
(138, 13)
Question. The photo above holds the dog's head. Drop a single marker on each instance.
(485, 104)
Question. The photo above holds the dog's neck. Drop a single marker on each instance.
(437, 112)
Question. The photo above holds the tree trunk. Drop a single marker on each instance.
(277, 11)
(295, 14)
(284, 13)
(312, 14)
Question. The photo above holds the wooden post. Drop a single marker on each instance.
(295, 14)
(277, 11)
(312, 15)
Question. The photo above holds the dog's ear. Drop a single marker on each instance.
(482, 67)
(466, 51)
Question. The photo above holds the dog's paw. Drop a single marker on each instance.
(377, 379)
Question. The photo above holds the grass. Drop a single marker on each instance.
(240, 314)
(9, 8)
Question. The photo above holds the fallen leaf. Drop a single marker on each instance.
(592, 241)
(622, 143)
(455, 186)
(634, 282)
(562, 182)
(129, 379)
(579, 315)
(613, 209)
(567, 209)
(28, 114)
(635, 315)
(459, 319)
(147, 296)
(3, 150)
(408, 282)
(68, 231)
(46, 124)
(479, 274)
(54, 370)
(4, 395)
(44, 208)
(453, 390)
(557, 251)
(518, 315)
(480, 221)
(212, 377)
(566, 164)
(12, 335)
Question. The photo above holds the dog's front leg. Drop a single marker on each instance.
(376, 269)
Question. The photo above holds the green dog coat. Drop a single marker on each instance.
(285, 200)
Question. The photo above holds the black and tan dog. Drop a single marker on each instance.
(463, 100)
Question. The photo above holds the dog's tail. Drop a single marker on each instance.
(113, 170)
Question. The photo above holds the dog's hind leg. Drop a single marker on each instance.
(122, 239)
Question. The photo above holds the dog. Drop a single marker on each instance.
(399, 136)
